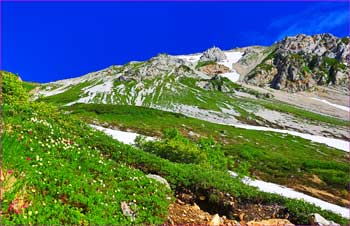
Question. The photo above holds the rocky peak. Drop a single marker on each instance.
(213, 54)
(158, 66)
(302, 62)
(322, 45)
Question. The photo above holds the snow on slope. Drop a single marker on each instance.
(124, 137)
(290, 193)
(193, 58)
(61, 86)
(341, 107)
(331, 142)
(232, 57)
(129, 138)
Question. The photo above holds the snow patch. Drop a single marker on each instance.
(233, 76)
(332, 142)
(193, 58)
(129, 138)
(124, 137)
(341, 107)
(232, 57)
(290, 193)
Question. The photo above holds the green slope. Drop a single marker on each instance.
(62, 172)
(279, 158)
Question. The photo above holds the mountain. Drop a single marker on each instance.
(245, 136)
(56, 169)
(229, 87)
(302, 62)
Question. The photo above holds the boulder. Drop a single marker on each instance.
(317, 219)
(129, 210)
(216, 220)
(159, 179)
(213, 54)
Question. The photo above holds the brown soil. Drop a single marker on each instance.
(213, 69)
(181, 213)
(321, 194)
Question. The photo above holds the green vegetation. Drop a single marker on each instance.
(174, 147)
(345, 40)
(178, 148)
(330, 67)
(29, 86)
(265, 67)
(274, 157)
(199, 178)
(308, 115)
(53, 176)
(12, 89)
(59, 171)
(306, 69)
(68, 96)
(204, 63)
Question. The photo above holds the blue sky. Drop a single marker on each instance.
(44, 42)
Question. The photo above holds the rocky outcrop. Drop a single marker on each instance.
(213, 54)
(214, 69)
(316, 219)
(216, 83)
(158, 66)
(251, 57)
(303, 62)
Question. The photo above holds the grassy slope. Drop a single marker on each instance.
(169, 91)
(53, 176)
(279, 158)
(65, 173)
(29, 86)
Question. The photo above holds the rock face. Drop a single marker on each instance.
(214, 69)
(213, 54)
(302, 62)
(157, 66)
(251, 57)
(317, 219)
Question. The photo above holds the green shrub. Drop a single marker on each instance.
(174, 147)
(204, 63)
(216, 156)
(345, 40)
(12, 89)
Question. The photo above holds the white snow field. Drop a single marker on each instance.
(232, 57)
(193, 58)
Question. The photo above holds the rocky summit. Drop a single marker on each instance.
(213, 54)
(304, 62)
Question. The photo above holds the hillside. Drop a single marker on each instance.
(236, 136)
(210, 86)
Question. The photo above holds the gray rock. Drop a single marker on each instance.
(159, 179)
(129, 210)
(213, 54)
(317, 219)
(302, 62)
